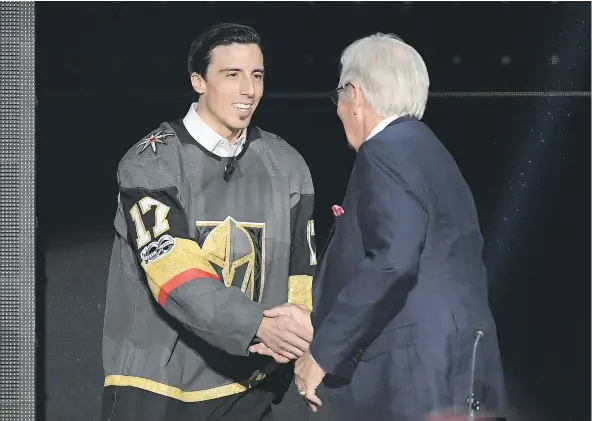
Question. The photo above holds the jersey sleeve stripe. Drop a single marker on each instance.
(181, 279)
(170, 269)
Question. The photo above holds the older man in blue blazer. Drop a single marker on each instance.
(400, 307)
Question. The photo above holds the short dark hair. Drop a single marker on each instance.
(200, 52)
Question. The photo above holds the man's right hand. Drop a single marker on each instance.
(285, 336)
(298, 312)
(262, 349)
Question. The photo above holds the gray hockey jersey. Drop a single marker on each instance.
(198, 256)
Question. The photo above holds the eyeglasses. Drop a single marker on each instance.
(335, 94)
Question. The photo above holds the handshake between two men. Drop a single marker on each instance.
(285, 334)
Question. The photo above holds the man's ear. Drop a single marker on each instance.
(357, 98)
(198, 83)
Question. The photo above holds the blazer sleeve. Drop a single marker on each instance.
(393, 226)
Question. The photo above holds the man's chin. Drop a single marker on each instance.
(241, 122)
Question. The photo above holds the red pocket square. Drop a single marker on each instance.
(337, 211)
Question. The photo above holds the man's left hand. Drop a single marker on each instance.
(309, 376)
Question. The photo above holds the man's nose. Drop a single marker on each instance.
(248, 87)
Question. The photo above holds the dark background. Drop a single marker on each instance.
(109, 73)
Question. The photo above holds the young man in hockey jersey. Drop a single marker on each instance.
(214, 225)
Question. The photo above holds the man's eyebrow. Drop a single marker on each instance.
(232, 69)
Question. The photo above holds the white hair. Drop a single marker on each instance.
(391, 74)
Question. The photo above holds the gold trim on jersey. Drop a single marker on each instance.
(175, 392)
(300, 290)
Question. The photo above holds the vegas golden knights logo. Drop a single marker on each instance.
(237, 253)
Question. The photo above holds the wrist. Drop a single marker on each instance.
(263, 327)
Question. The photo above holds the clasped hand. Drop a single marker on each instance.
(285, 333)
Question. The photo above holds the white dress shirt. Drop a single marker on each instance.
(382, 125)
(208, 138)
